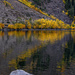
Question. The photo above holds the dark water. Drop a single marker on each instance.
(38, 52)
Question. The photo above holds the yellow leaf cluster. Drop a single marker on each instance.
(28, 24)
(64, 1)
(16, 26)
(45, 23)
(73, 25)
(11, 26)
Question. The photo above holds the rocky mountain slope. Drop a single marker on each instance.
(20, 10)
(54, 7)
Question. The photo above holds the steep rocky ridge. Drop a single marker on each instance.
(20, 10)
(54, 7)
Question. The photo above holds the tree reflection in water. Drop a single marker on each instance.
(68, 56)
(38, 61)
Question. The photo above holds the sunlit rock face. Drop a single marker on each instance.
(19, 72)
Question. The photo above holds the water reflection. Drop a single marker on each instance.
(51, 36)
(36, 52)
(68, 60)
(1, 33)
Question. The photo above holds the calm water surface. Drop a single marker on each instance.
(38, 52)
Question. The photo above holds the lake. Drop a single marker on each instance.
(41, 52)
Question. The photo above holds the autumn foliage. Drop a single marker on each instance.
(16, 26)
(40, 24)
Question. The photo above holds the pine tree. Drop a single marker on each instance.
(73, 2)
(74, 8)
(69, 4)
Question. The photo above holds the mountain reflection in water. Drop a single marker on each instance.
(38, 52)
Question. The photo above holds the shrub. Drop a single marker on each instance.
(11, 26)
(44, 23)
(28, 24)
(16, 26)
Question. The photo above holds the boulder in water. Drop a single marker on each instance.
(19, 72)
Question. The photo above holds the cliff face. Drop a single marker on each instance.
(20, 11)
(54, 7)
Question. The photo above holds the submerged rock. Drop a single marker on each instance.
(19, 72)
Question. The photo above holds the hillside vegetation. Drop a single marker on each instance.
(35, 14)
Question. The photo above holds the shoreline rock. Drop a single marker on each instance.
(20, 72)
